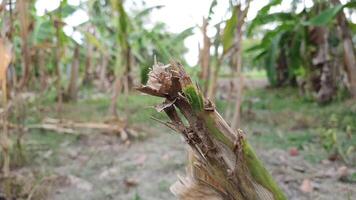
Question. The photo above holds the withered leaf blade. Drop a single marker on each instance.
(176, 87)
(150, 91)
(167, 103)
(209, 106)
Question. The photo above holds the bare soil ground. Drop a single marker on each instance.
(100, 166)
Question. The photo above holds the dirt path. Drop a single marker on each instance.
(100, 167)
(107, 169)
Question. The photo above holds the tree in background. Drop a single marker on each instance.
(141, 47)
(6, 55)
(304, 46)
(348, 46)
(204, 56)
(5, 143)
(123, 57)
(72, 89)
(231, 41)
(23, 10)
(240, 21)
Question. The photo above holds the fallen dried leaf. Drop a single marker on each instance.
(166, 156)
(325, 162)
(334, 157)
(293, 151)
(306, 186)
(164, 105)
(130, 182)
(80, 183)
(107, 173)
(140, 160)
(342, 172)
(123, 135)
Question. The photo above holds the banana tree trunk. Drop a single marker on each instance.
(216, 66)
(57, 62)
(23, 11)
(204, 57)
(349, 51)
(282, 69)
(41, 61)
(123, 81)
(5, 143)
(88, 65)
(323, 61)
(116, 92)
(72, 89)
(241, 15)
(223, 165)
(103, 70)
(214, 80)
(127, 79)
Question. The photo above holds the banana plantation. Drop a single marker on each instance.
(188, 100)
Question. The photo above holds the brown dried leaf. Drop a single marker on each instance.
(186, 188)
(124, 135)
(159, 79)
(166, 157)
(80, 183)
(130, 182)
(293, 151)
(140, 160)
(108, 172)
(5, 59)
(150, 91)
(306, 186)
(342, 172)
(164, 105)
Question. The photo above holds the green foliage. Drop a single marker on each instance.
(94, 41)
(285, 120)
(261, 17)
(211, 9)
(290, 39)
(136, 197)
(145, 12)
(284, 38)
(157, 42)
(325, 17)
(261, 20)
(64, 10)
(126, 32)
(194, 97)
(123, 23)
(328, 139)
(182, 35)
(145, 69)
(260, 173)
(43, 30)
(229, 31)
(271, 57)
(339, 142)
